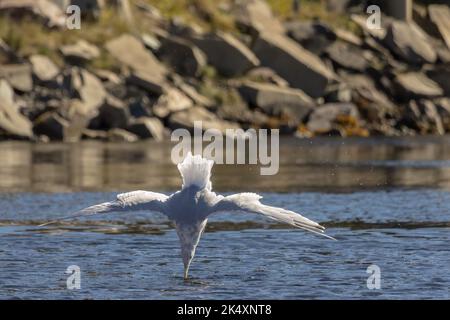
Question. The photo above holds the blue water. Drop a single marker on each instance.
(399, 222)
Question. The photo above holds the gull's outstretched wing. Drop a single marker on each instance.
(249, 202)
(130, 201)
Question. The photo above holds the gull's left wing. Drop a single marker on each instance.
(130, 201)
(249, 202)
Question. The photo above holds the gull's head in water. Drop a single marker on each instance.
(190, 207)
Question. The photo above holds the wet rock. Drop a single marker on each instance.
(273, 99)
(172, 101)
(253, 16)
(52, 125)
(43, 68)
(301, 68)
(439, 15)
(147, 127)
(45, 10)
(80, 52)
(132, 53)
(185, 119)
(311, 35)
(410, 43)
(348, 57)
(217, 46)
(121, 135)
(186, 58)
(263, 74)
(326, 118)
(412, 85)
(12, 122)
(18, 76)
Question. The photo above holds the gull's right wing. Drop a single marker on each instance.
(249, 202)
(130, 201)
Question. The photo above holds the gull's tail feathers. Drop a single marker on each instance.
(196, 170)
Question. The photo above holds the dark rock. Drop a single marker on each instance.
(51, 125)
(148, 82)
(147, 127)
(441, 75)
(186, 58)
(301, 68)
(410, 43)
(113, 114)
(311, 35)
(217, 46)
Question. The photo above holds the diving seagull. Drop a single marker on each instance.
(190, 207)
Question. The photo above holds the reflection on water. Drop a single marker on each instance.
(319, 164)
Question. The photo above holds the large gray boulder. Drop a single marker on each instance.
(255, 16)
(409, 42)
(132, 53)
(12, 122)
(18, 76)
(186, 58)
(274, 100)
(226, 53)
(439, 15)
(301, 68)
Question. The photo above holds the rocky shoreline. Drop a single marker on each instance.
(306, 78)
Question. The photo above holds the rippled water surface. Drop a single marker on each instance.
(387, 201)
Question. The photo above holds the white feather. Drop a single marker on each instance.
(196, 170)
